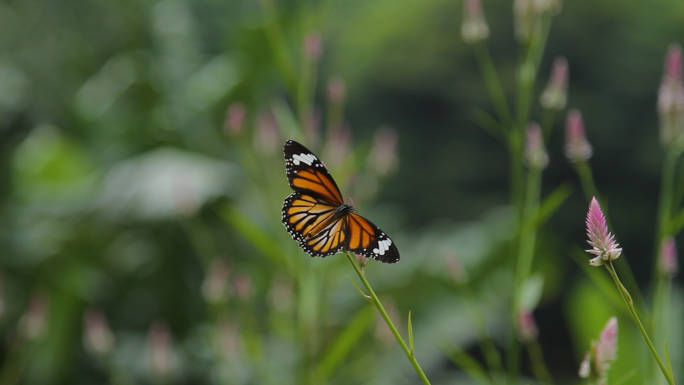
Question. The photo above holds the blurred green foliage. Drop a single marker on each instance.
(124, 189)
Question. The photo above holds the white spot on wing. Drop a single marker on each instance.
(306, 158)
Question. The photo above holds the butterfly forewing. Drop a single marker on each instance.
(307, 173)
(317, 218)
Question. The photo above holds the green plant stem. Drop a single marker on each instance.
(587, 180)
(387, 319)
(541, 372)
(548, 116)
(630, 305)
(484, 338)
(528, 236)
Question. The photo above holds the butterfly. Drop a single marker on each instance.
(316, 216)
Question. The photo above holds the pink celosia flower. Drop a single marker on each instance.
(601, 354)
(668, 257)
(535, 153)
(603, 242)
(243, 286)
(577, 148)
(671, 99)
(556, 92)
(605, 351)
(527, 327)
(474, 28)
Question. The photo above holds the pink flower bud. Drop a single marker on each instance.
(160, 356)
(235, 118)
(556, 92)
(603, 242)
(229, 338)
(33, 321)
(671, 100)
(338, 146)
(313, 47)
(97, 338)
(216, 281)
(527, 327)
(455, 268)
(383, 155)
(337, 89)
(535, 153)
(361, 260)
(243, 286)
(668, 257)
(577, 148)
(474, 28)
(267, 135)
(526, 19)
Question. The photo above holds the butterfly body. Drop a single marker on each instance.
(316, 216)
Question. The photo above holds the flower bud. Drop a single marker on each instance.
(243, 286)
(97, 337)
(668, 257)
(267, 135)
(601, 354)
(577, 148)
(160, 355)
(474, 28)
(216, 281)
(671, 101)
(361, 260)
(555, 95)
(337, 90)
(535, 153)
(527, 327)
(383, 155)
(33, 321)
(313, 48)
(235, 118)
(526, 18)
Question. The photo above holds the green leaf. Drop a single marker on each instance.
(343, 344)
(251, 232)
(677, 222)
(552, 202)
(470, 365)
(667, 359)
(360, 291)
(410, 333)
(531, 291)
(489, 124)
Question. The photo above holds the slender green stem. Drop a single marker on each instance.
(632, 311)
(587, 180)
(539, 368)
(484, 338)
(528, 237)
(548, 116)
(387, 319)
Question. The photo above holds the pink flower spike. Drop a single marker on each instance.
(603, 242)
(673, 62)
(605, 351)
(668, 257)
(474, 28)
(336, 89)
(535, 153)
(577, 148)
(527, 327)
(384, 152)
(235, 118)
(556, 93)
(671, 100)
(98, 338)
(313, 48)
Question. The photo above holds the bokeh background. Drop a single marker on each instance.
(140, 235)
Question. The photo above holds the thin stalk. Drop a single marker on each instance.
(539, 369)
(486, 343)
(630, 305)
(587, 180)
(528, 236)
(387, 319)
(546, 123)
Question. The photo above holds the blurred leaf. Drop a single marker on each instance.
(163, 183)
(470, 365)
(258, 238)
(552, 202)
(344, 342)
(531, 292)
(410, 334)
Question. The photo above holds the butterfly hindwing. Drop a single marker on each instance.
(306, 173)
(368, 240)
(317, 218)
(311, 222)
